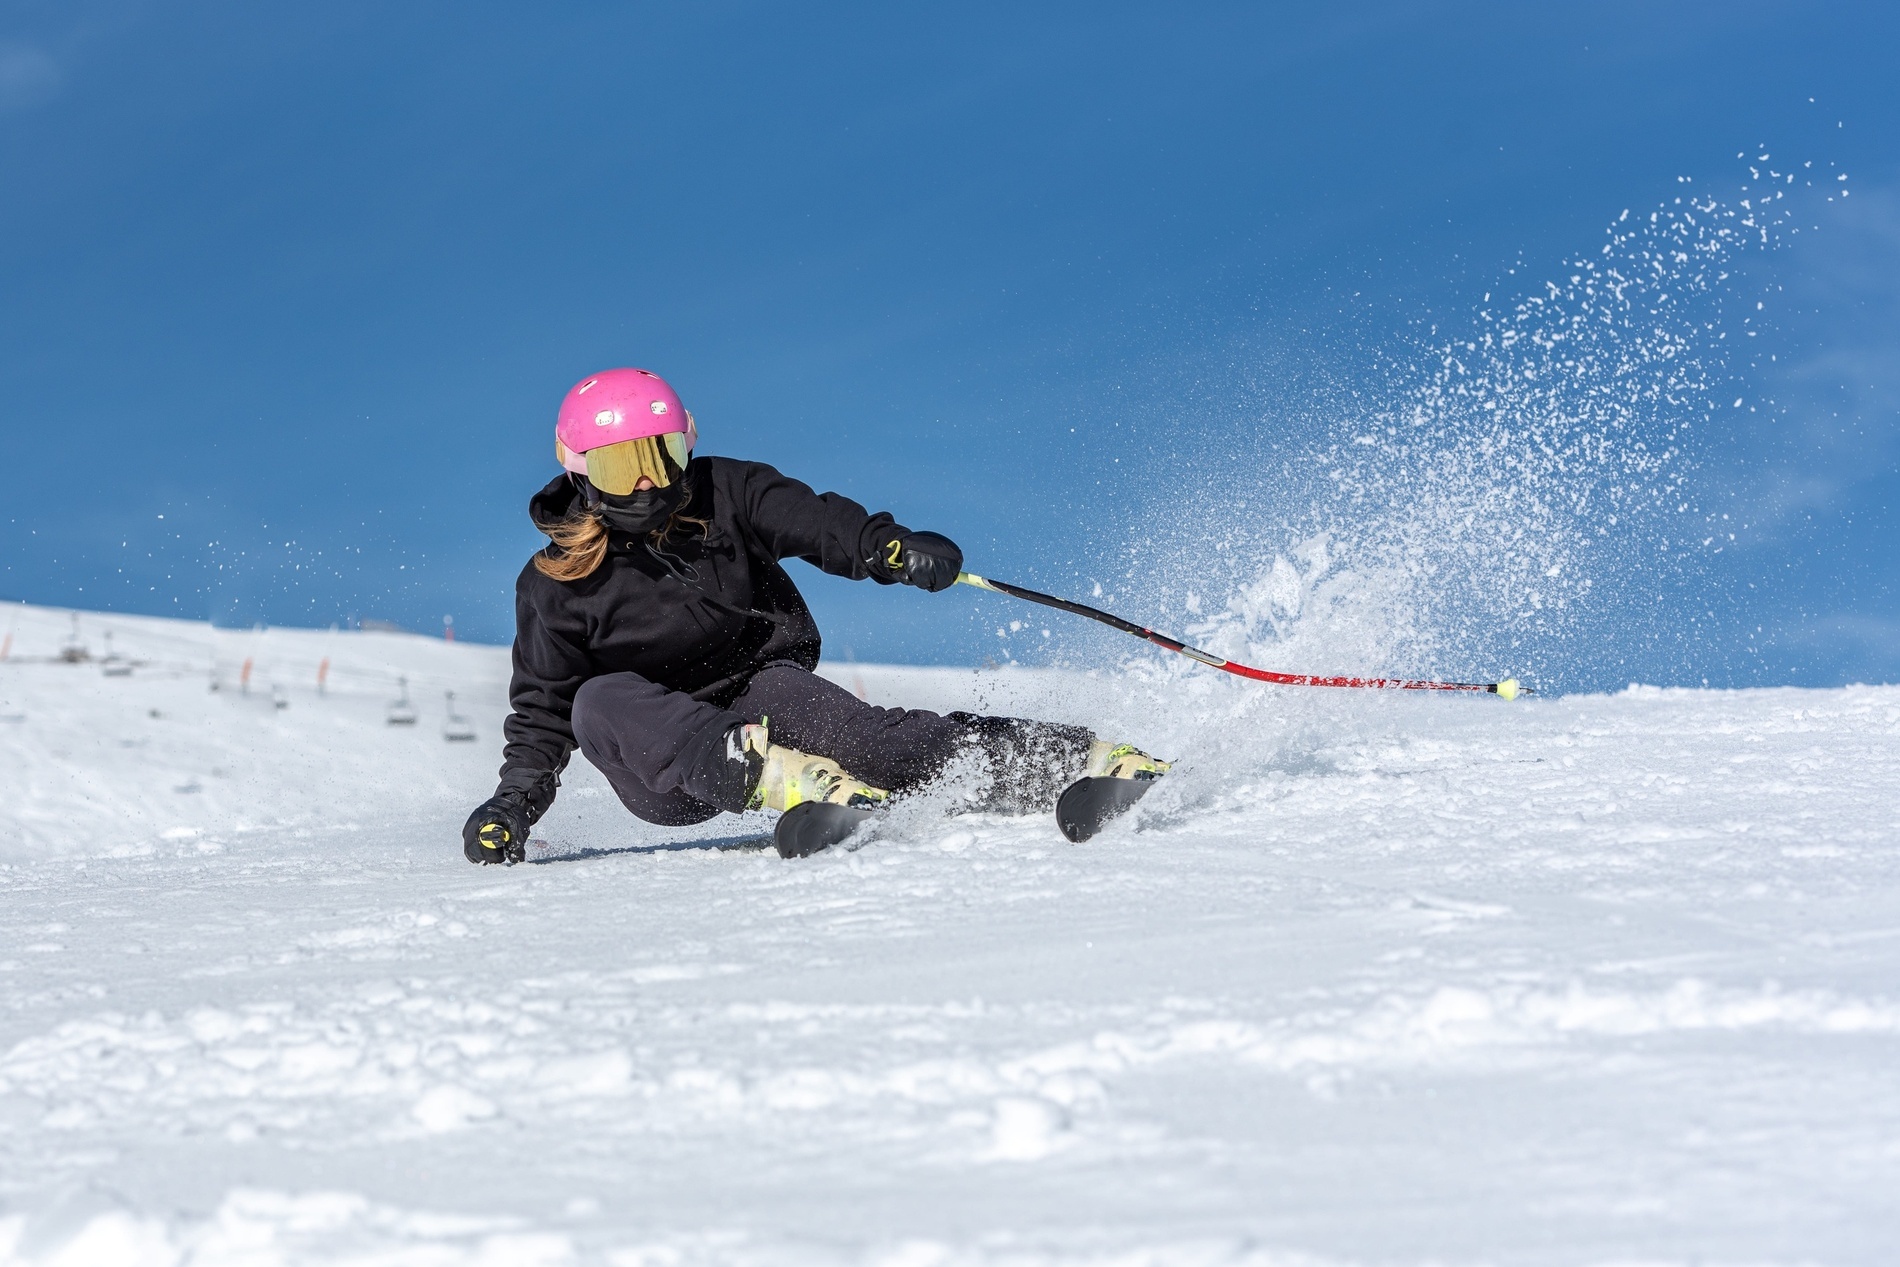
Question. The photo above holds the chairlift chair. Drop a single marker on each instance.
(401, 711)
(113, 665)
(455, 727)
(75, 652)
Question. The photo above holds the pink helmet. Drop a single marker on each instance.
(616, 405)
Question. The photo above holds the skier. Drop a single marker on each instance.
(658, 634)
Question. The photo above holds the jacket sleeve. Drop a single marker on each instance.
(550, 663)
(827, 530)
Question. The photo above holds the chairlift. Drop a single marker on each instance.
(455, 727)
(112, 665)
(74, 652)
(401, 711)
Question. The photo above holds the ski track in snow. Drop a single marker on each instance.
(1369, 979)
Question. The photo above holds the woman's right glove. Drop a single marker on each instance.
(498, 830)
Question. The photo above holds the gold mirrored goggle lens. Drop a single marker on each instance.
(617, 469)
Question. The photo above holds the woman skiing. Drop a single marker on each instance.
(659, 635)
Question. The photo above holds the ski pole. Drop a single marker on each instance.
(1509, 688)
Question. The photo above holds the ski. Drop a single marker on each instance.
(1087, 805)
(1084, 808)
(807, 828)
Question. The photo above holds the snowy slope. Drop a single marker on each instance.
(1369, 979)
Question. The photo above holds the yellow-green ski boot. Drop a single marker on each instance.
(788, 777)
(1122, 761)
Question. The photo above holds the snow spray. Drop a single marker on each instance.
(1475, 503)
(1478, 500)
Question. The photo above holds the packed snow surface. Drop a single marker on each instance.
(1368, 979)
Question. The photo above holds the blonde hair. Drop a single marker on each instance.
(582, 539)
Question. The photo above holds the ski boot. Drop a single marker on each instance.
(784, 777)
(1122, 761)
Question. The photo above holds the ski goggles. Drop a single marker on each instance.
(617, 469)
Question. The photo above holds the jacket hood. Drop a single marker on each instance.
(552, 504)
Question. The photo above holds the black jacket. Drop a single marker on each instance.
(699, 613)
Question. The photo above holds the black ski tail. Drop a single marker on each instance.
(1088, 805)
(814, 826)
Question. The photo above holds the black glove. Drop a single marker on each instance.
(497, 831)
(924, 559)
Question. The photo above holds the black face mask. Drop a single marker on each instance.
(635, 513)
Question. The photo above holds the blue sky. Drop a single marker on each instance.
(288, 294)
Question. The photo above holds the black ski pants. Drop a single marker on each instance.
(675, 760)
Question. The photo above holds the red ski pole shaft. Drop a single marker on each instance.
(1509, 688)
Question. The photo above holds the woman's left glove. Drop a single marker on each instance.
(927, 560)
(497, 831)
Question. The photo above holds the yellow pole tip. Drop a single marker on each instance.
(1508, 688)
